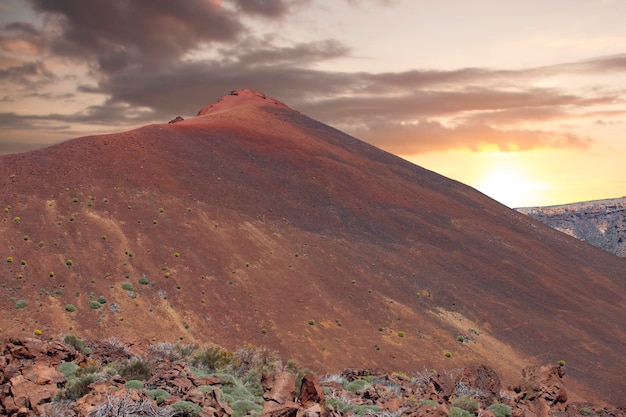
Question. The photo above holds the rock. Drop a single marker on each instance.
(279, 387)
(544, 382)
(316, 410)
(311, 392)
(287, 409)
(222, 409)
(176, 119)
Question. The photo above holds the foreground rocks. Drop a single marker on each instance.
(32, 384)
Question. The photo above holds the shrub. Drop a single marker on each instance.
(429, 402)
(78, 387)
(311, 322)
(500, 410)
(134, 384)
(101, 300)
(74, 342)
(212, 358)
(561, 362)
(466, 403)
(70, 308)
(37, 332)
(458, 412)
(448, 354)
(68, 369)
(187, 408)
(20, 304)
(69, 262)
(9, 259)
(176, 255)
(128, 286)
(244, 406)
(159, 395)
(357, 385)
(136, 369)
(94, 305)
(401, 334)
(143, 280)
(360, 410)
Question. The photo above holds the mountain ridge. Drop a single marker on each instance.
(601, 223)
(259, 224)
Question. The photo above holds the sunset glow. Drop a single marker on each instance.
(528, 114)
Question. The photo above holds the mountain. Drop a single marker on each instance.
(252, 223)
(601, 223)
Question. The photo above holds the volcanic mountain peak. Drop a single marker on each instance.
(239, 98)
(253, 223)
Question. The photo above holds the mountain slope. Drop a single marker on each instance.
(601, 223)
(254, 223)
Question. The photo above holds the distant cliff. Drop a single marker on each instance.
(601, 223)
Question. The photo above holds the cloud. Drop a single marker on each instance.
(264, 8)
(427, 136)
(151, 60)
(118, 34)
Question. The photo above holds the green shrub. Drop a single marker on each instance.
(78, 387)
(187, 408)
(69, 262)
(585, 411)
(561, 362)
(466, 403)
(242, 407)
(212, 358)
(356, 385)
(68, 369)
(128, 286)
(401, 334)
(500, 410)
(102, 300)
(70, 308)
(429, 402)
(9, 259)
(159, 395)
(136, 369)
(143, 280)
(311, 322)
(94, 305)
(74, 342)
(20, 304)
(458, 412)
(206, 388)
(133, 384)
(360, 410)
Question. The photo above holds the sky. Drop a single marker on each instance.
(523, 100)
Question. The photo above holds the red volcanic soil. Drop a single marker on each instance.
(252, 223)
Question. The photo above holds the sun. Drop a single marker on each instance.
(509, 182)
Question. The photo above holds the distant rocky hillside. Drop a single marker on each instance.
(601, 223)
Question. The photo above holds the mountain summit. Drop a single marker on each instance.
(253, 223)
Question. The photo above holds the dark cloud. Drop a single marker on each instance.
(264, 8)
(143, 33)
(28, 74)
(140, 57)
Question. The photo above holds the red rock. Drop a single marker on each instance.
(279, 387)
(311, 391)
(286, 409)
